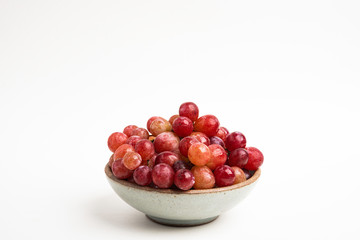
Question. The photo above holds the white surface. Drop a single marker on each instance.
(285, 73)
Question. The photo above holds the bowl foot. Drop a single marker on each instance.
(181, 223)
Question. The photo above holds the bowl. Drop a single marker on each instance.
(181, 208)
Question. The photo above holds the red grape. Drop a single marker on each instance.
(142, 175)
(239, 175)
(145, 148)
(151, 120)
(182, 157)
(128, 130)
(218, 156)
(182, 126)
(132, 160)
(141, 132)
(224, 176)
(235, 140)
(144, 163)
(256, 158)
(131, 178)
(207, 124)
(189, 110)
(217, 140)
(201, 137)
(185, 144)
(184, 179)
(167, 157)
(115, 140)
(238, 157)
(204, 177)
(160, 160)
(180, 165)
(163, 175)
(133, 140)
(111, 160)
(222, 132)
(122, 150)
(172, 118)
(119, 170)
(166, 141)
(151, 162)
(199, 154)
(159, 125)
(247, 173)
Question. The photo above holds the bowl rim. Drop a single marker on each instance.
(126, 183)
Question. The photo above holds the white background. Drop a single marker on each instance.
(285, 73)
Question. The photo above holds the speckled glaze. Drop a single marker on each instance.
(181, 208)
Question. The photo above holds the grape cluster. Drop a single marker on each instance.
(185, 152)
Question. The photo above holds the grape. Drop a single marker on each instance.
(199, 154)
(131, 179)
(172, 118)
(238, 157)
(180, 165)
(239, 175)
(163, 175)
(201, 137)
(182, 126)
(111, 160)
(144, 163)
(119, 170)
(184, 179)
(218, 156)
(132, 160)
(122, 150)
(151, 162)
(207, 124)
(145, 148)
(115, 140)
(185, 144)
(166, 141)
(256, 159)
(247, 173)
(204, 177)
(189, 110)
(141, 132)
(167, 157)
(128, 130)
(160, 160)
(217, 140)
(222, 132)
(159, 125)
(133, 140)
(177, 151)
(142, 175)
(235, 140)
(151, 120)
(224, 176)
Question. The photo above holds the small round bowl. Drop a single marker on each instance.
(181, 208)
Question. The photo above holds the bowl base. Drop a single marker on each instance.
(181, 223)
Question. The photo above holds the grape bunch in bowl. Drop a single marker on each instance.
(176, 170)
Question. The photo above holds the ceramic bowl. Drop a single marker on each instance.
(181, 208)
